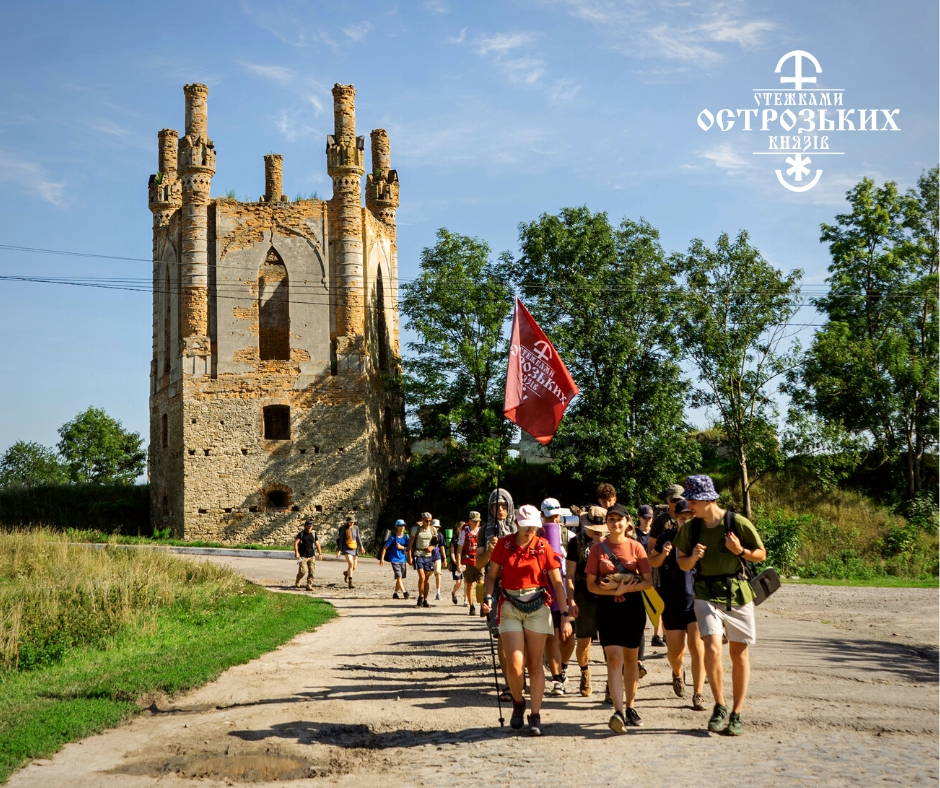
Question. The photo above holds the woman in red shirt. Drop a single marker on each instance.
(621, 616)
(528, 571)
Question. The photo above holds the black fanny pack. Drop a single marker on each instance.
(530, 605)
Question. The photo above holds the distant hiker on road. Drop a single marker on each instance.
(438, 554)
(558, 651)
(666, 514)
(306, 551)
(464, 553)
(715, 542)
(349, 545)
(529, 573)
(644, 528)
(397, 548)
(421, 550)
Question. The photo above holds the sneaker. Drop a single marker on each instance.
(564, 675)
(633, 718)
(535, 724)
(617, 722)
(585, 686)
(465, 603)
(424, 603)
(607, 699)
(557, 690)
(453, 598)
(719, 718)
(678, 687)
(658, 642)
(473, 610)
(438, 597)
(518, 715)
(735, 725)
(641, 671)
(395, 596)
(406, 595)
(698, 702)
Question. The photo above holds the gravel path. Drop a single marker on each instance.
(844, 691)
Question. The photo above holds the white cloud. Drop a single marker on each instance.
(562, 91)
(318, 105)
(359, 31)
(458, 39)
(725, 157)
(106, 126)
(31, 177)
(501, 43)
(436, 6)
(689, 33)
(279, 74)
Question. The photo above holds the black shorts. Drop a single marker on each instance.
(677, 619)
(585, 625)
(556, 619)
(621, 623)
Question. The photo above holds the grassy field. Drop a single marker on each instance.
(87, 635)
(101, 537)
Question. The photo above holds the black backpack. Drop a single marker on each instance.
(763, 584)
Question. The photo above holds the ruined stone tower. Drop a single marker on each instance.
(275, 328)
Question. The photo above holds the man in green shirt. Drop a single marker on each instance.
(716, 556)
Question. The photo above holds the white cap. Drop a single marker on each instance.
(435, 523)
(550, 506)
(528, 517)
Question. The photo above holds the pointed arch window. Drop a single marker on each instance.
(166, 322)
(273, 309)
(381, 323)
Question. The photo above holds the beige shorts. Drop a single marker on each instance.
(714, 619)
(513, 620)
(437, 566)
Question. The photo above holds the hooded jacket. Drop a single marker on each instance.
(499, 528)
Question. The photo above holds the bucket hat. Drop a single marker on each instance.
(700, 488)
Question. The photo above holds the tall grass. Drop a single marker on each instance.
(55, 596)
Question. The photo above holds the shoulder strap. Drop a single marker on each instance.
(730, 525)
(613, 558)
(696, 532)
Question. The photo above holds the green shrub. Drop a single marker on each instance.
(115, 508)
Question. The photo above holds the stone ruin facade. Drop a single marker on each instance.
(275, 338)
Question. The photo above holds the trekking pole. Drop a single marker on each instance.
(496, 679)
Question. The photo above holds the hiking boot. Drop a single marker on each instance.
(678, 686)
(424, 602)
(719, 718)
(557, 690)
(617, 722)
(453, 598)
(633, 718)
(641, 671)
(658, 642)
(349, 583)
(585, 686)
(607, 699)
(698, 702)
(518, 715)
(406, 595)
(309, 588)
(438, 596)
(395, 596)
(535, 724)
(735, 725)
(420, 600)
(346, 574)
(473, 610)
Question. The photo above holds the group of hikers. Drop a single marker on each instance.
(550, 580)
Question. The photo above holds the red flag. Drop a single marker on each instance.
(538, 386)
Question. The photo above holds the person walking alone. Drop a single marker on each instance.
(349, 545)
(396, 546)
(464, 553)
(421, 550)
(306, 551)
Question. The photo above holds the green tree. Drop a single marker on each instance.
(873, 365)
(97, 449)
(458, 307)
(602, 295)
(31, 464)
(735, 327)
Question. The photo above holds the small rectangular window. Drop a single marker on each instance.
(277, 423)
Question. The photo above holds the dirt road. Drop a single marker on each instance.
(844, 692)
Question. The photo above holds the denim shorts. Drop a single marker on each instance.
(424, 562)
(399, 569)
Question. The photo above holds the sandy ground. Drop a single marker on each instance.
(844, 692)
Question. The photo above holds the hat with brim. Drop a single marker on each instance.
(399, 523)
(645, 510)
(683, 506)
(673, 493)
(550, 507)
(594, 519)
(475, 517)
(426, 516)
(620, 510)
(700, 488)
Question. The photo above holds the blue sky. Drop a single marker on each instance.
(497, 112)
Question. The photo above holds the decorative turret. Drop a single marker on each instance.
(344, 157)
(197, 166)
(273, 177)
(164, 188)
(382, 182)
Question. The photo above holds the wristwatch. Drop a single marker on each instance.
(565, 613)
(743, 551)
